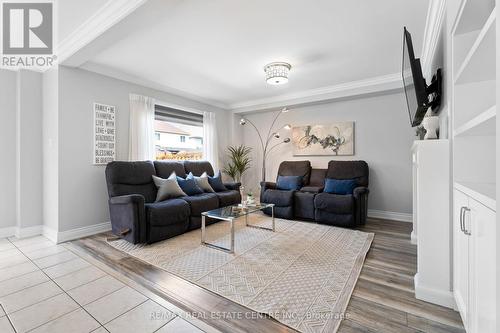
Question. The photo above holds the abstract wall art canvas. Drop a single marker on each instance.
(332, 139)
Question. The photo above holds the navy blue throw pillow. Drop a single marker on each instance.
(289, 183)
(340, 186)
(189, 186)
(216, 183)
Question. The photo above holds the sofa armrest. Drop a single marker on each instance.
(359, 191)
(266, 186)
(128, 217)
(235, 186)
(127, 199)
(360, 195)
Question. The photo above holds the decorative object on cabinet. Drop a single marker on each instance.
(431, 126)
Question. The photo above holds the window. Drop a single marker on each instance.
(178, 134)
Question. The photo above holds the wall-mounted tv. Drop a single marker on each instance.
(419, 96)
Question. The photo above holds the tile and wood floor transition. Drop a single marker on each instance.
(89, 285)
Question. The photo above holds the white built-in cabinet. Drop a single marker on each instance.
(431, 221)
(473, 56)
(475, 263)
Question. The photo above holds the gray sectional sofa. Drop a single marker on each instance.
(136, 216)
(310, 202)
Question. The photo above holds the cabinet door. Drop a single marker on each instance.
(460, 257)
(482, 268)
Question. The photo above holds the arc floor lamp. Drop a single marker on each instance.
(268, 143)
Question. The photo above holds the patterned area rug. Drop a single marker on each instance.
(302, 275)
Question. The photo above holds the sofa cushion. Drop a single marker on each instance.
(296, 168)
(216, 183)
(349, 170)
(168, 188)
(317, 177)
(228, 198)
(167, 212)
(189, 186)
(281, 212)
(334, 203)
(340, 186)
(202, 182)
(124, 178)
(198, 167)
(312, 189)
(303, 205)
(278, 198)
(165, 168)
(201, 203)
(289, 183)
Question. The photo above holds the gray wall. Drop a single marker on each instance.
(8, 82)
(383, 138)
(29, 149)
(82, 188)
(20, 144)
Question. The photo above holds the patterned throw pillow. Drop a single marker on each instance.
(202, 182)
(168, 188)
(216, 182)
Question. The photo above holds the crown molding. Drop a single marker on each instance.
(119, 75)
(432, 32)
(111, 13)
(379, 84)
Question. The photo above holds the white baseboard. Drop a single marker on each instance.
(7, 232)
(64, 236)
(436, 296)
(54, 235)
(29, 231)
(395, 216)
(21, 232)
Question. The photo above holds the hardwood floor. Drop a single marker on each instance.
(383, 299)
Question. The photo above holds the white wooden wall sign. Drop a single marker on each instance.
(104, 134)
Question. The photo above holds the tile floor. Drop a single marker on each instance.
(47, 288)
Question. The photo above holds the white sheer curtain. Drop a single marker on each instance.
(141, 131)
(210, 144)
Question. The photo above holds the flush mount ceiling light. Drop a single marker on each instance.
(277, 72)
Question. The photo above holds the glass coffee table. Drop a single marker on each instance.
(231, 213)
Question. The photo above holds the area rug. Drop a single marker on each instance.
(302, 275)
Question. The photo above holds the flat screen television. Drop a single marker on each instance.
(417, 96)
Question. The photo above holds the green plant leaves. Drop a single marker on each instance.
(240, 161)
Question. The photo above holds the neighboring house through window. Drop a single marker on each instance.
(178, 134)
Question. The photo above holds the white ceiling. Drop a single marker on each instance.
(216, 49)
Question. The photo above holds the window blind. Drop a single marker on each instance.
(179, 116)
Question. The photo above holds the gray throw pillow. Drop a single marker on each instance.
(202, 182)
(168, 188)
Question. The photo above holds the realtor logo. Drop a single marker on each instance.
(27, 28)
(27, 34)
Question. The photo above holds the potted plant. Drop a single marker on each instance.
(239, 162)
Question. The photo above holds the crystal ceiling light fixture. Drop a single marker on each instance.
(277, 72)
